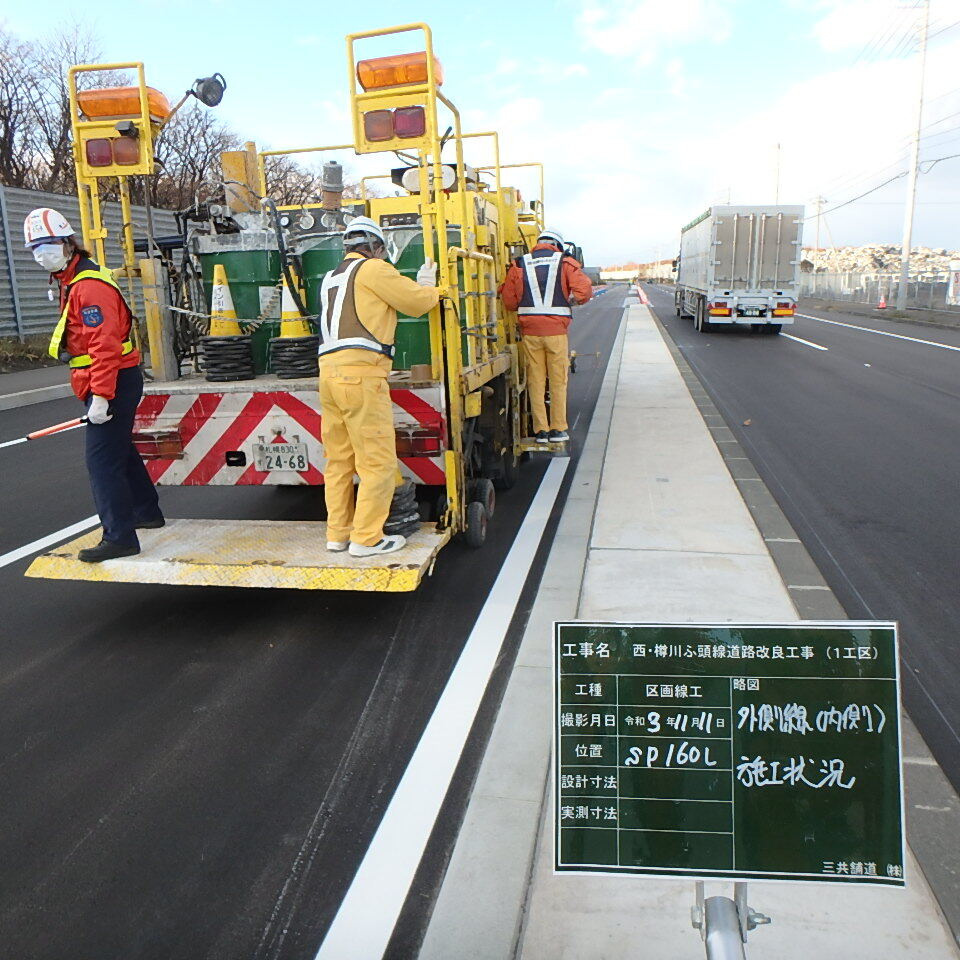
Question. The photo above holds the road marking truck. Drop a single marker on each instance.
(246, 416)
(740, 266)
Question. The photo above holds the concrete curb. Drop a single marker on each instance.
(24, 398)
(479, 910)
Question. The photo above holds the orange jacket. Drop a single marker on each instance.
(98, 321)
(573, 281)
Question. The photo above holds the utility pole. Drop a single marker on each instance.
(776, 188)
(816, 257)
(914, 165)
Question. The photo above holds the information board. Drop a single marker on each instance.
(747, 752)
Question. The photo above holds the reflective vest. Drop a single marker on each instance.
(340, 326)
(542, 285)
(56, 341)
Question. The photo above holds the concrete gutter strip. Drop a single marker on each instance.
(698, 542)
(479, 910)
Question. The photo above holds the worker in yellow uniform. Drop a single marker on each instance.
(359, 300)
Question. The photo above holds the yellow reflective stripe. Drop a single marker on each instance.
(56, 340)
(85, 360)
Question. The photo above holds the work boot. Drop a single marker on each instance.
(541, 436)
(386, 545)
(558, 436)
(106, 550)
(155, 524)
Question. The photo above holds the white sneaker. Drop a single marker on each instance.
(386, 545)
(337, 546)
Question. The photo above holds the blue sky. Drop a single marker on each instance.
(644, 111)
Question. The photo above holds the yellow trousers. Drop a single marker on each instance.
(547, 358)
(356, 428)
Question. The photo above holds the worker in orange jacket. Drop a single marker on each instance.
(541, 286)
(93, 337)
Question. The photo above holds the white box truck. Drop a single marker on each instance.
(741, 265)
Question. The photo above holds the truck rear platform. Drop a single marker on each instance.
(248, 553)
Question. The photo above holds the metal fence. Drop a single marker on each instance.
(25, 307)
(929, 293)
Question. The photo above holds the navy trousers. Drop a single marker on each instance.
(122, 489)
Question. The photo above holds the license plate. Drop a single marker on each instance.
(751, 312)
(280, 456)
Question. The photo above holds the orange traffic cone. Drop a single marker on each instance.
(223, 316)
(882, 305)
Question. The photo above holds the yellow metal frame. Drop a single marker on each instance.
(88, 178)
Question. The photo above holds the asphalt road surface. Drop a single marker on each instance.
(855, 432)
(197, 772)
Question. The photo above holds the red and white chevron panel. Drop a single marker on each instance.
(212, 424)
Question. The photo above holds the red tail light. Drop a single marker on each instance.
(785, 309)
(419, 441)
(719, 310)
(410, 122)
(99, 153)
(158, 444)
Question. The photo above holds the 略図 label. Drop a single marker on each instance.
(730, 751)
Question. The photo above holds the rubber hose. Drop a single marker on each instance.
(284, 255)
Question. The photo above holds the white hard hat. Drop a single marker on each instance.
(359, 228)
(552, 235)
(43, 224)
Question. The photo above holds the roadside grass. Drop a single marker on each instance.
(29, 355)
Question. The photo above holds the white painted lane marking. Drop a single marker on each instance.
(806, 343)
(14, 555)
(366, 918)
(882, 333)
(12, 443)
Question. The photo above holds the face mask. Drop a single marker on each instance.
(51, 256)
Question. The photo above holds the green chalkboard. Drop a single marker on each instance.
(748, 752)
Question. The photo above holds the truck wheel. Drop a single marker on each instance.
(476, 532)
(509, 473)
(701, 322)
(676, 305)
(482, 491)
(774, 328)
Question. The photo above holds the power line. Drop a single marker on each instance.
(956, 23)
(866, 193)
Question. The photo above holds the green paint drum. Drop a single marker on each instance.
(253, 276)
(320, 254)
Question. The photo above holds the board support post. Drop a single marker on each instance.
(724, 923)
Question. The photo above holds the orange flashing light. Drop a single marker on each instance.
(117, 103)
(397, 71)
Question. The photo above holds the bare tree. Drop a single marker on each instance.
(50, 100)
(16, 120)
(188, 157)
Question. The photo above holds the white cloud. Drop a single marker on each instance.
(575, 70)
(641, 28)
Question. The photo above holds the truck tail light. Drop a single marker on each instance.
(397, 71)
(786, 309)
(158, 444)
(99, 153)
(419, 441)
(378, 126)
(410, 122)
(719, 309)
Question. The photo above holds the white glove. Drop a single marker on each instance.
(427, 274)
(98, 411)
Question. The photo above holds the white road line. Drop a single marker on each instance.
(882, 333)
(12, 443)
(366, 918)
(14, 555)
(806, 343)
